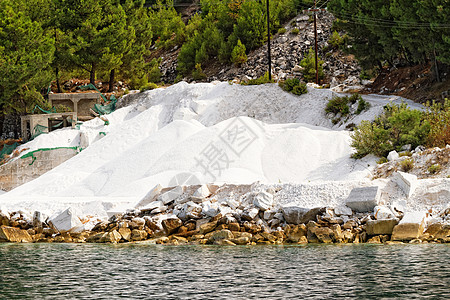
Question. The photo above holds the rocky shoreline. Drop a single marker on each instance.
(205, 215)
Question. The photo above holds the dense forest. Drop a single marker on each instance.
(44, 41)
(395, 31)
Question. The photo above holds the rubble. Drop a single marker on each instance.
(249, 217)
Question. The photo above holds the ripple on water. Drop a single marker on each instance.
(82, 271)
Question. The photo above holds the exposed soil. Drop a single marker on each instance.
(417, 83)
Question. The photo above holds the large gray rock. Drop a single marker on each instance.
(363, 199)
(171, 195)
(293, 214)
(150, 196)
(406, 182)
(65, 221)
(263, 201)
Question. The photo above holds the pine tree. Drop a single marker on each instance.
(26, 51)
(97, 35)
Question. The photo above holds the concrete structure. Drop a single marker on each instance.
(47, 121)
(20, 171)
(80, 103)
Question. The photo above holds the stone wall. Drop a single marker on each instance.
(18, 172)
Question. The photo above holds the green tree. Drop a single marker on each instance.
(96, 34)
(238, 55)
(26, 51)
(309, 66)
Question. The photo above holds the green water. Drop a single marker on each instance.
(89, 271)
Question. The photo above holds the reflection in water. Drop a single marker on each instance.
(84, 271)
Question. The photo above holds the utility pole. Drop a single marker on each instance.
(314, 11)
(268, 42)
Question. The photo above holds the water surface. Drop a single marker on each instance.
(92, 271)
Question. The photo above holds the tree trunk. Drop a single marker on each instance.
(111, 80)
(92, 74)
(57, 80)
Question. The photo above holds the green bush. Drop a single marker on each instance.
(362, 105)
(238, 55)
(293, 86)
(341, 105)
(338, 105)
(282, 30)
(433, 169)
(149, 86)
(198, 74)
(398, 125)
(295, 31)
(154, 75)
(336, 40)
(261, 80)
(407, 164)
(438, 115)
(309, 65)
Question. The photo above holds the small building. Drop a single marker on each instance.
(80, 102)
(32, 125)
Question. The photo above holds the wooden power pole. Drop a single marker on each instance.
(268, 42)
(314, 11)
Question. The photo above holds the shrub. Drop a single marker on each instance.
(293, 86)
(238, 55)
(382, 160)
(282, 30)
(335, 40)
(338, 105)
(362, 105)
(438, 115)
(407, 164)
(149, 86)
(154, 74)
(309, 65)
(295, 31)
(261, 80)
(198, 74)
(398, 125)
(433, 169)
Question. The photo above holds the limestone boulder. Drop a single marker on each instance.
(263, 200)
(343, 210)
(243, 240)
(406, 182)
(293, 214)
(439, 230)
(125, 232)
(299, 215)
(363, 199)
(138, 235)
(171, 195)
(15, 235)
(393, 155)
(210, 209)
(410, 227)
(65, 221)
(202, 192)
(221, 235)
(150, 196)
(207, 227)
(383, 226)
(250, 213)
(171, 225)
(111, 237)
(296, 233)
(383, 212)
